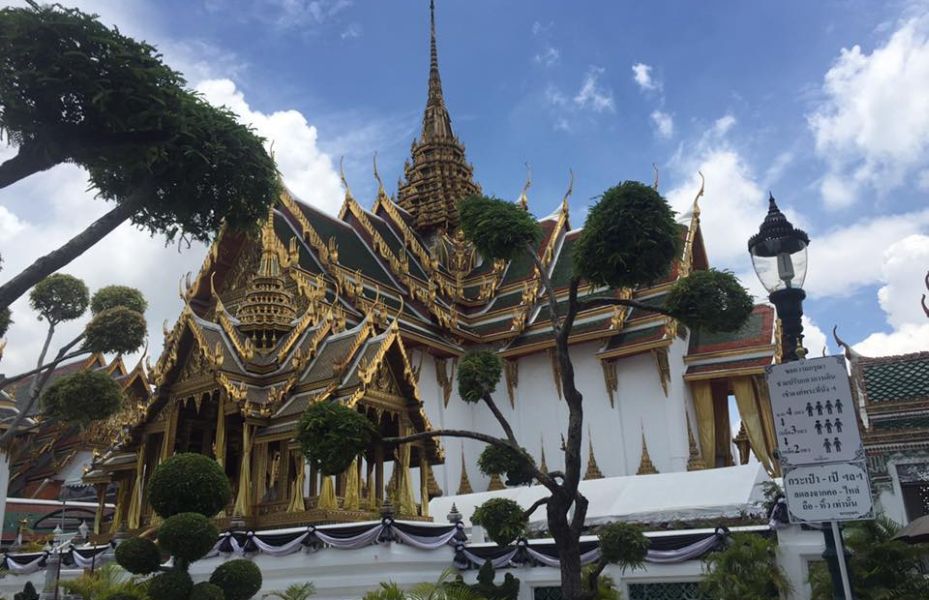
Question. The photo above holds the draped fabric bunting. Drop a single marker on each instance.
(352, 499)
(706, 421)
(750, 412)
(243, 501)
(282, 542)
(546, 553)
(297, 503)
(327, 499)
(767, 420)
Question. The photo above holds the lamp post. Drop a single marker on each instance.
(779, 256)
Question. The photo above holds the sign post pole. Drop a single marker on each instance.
(840, 557)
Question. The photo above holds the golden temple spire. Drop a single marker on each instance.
(496, 483)
(542, 464)
(593, 471)
(645, 464)
(438, 175)
(694, 460)
(464, 484)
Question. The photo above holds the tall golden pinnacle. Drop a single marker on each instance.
(646, 467)
(438, 176)
(268, 309)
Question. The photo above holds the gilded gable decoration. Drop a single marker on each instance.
(511, 372)
(610, 379)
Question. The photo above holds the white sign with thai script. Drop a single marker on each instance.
(828, 492)
(814, 414)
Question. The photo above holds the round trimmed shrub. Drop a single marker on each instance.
(710, 300)
(118, 330)
(188, 536)
(206, 591)
(239, 579)
(497, 228)
(170, 585)
(503, 519)
(497, 460)
(331, 435)
(623, 544)
(138, 556)
(123, 596)
(188, 482)
(630, 238)
(478, 374)
(83, 397)
(59, 297)
(112, 296)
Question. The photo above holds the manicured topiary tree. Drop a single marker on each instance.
(331, 435)
(187, 490)
(630, 239)
(117, 326)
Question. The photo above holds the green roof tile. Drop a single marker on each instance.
(896, 379)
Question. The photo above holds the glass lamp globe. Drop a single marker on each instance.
(779, 252)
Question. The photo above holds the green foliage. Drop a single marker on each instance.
(112, 296)
(6, 319)
(28, 593)
(502, 518)
(880, 567)
(497, 228)
(206, 591)
(239, 579)
(138, 555)
(173, 584)
(188, 482)
(478, 374)
(746, 570)
(107, 582)
(444, 588)
(59, 297)
(387, 590)
(623, 544)
(486, 588)
(606, 587)
(188, 536)
(296, 591)
(630, 238)
(83, 397)
(499, 460)
(119, 329)
(331, 435)
(72, 89)
(710, 300)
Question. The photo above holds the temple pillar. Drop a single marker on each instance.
(297, 502)
(243, 500)
(379, 474)
(423, 482)
(261, 472)
(314, 481)
(122, 505)
(101, 501)
(219, 444)
(167, 443)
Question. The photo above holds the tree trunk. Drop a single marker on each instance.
(56, 259)
(29, 160)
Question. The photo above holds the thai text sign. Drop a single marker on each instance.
(814, 415)
(819, 444)
(828, 492)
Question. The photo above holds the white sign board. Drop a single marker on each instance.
(814, 414)
(828, 492)
(819, 444)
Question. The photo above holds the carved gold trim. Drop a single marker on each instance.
(610, 379)
(511, 372)
(664, 369)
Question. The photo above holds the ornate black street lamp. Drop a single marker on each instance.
(779, 256)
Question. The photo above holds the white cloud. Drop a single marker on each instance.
(307, 171)
(723, 124)
(912, 337)
(592, 94)
(872, 127)
(352, 31)
(548, 57)
(642, 74)
(664, 124)
(814, 339)
(848, 258)
(538, 28)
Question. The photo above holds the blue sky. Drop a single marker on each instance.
(824, 103)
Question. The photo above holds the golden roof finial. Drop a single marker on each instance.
(543, 466)
(593, 471)
(567, 194)
(695, 211)
(377, 176)
(523, 195)
(645, 464)
(464, 484)
(348, 191)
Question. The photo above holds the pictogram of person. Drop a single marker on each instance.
(819, 427)
(827, 445)
(838, 405)
(829, 406)
(837, 443)
(828, 426)
(809, 409)
(838, 425)
(819, 408)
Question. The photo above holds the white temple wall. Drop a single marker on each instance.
(539, 416)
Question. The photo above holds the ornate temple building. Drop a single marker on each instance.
(374, 308)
